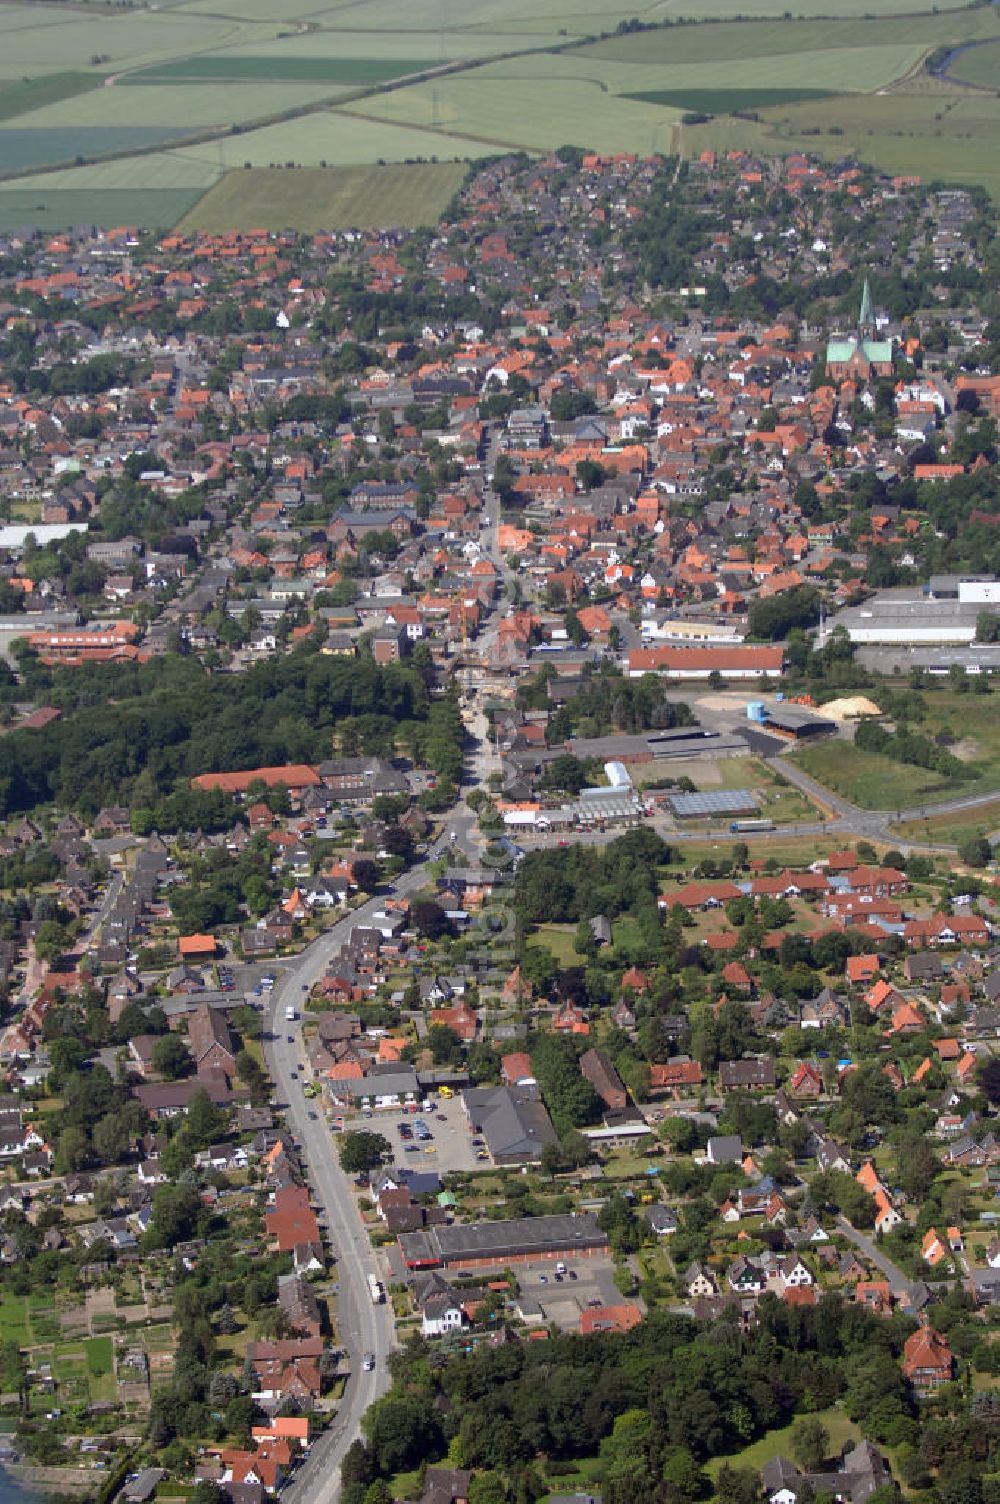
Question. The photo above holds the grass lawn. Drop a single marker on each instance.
(779, 1443)
(868, 778)
(788, 851)
(14, 1319)
(557, 939)
(581, 1478)
(99, 1354)
(406, 1485)
(952, 830)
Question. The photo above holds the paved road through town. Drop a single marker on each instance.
(900, 1285)
(363, 1327)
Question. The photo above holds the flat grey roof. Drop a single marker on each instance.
(519, 1235)
(513, 1120)
(905, 612)
(716, 802)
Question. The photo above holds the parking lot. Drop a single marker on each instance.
(565, 1300)
(449, 1148)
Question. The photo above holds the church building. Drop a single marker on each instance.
(861, 355)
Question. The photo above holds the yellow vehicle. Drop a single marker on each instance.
(445, 1092)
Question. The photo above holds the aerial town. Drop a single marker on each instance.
(499, 932)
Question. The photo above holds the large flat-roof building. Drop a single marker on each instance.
(909, 617)
(517, 1240)
(513, 1122)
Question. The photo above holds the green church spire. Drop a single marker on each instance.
(867, 319)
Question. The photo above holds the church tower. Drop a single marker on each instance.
(866, 321)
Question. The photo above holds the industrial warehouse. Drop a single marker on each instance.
(494, 1244)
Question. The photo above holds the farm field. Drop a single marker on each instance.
(938, 132)
(751, 39)
(275, 70)
(332, 136)
(16, 98)
(511, 105)
(40, 146)
(50, 211)
(93, 85)
(979, 65)
(178, 108)
(840, 67)
(395, 46)
(724, 100)
(41, 39)
(333, 198)
(108, 193)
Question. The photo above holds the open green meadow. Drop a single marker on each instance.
(952, 830)
(314, 198)
(868, 778)
(977, 65)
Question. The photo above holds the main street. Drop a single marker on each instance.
(362, 1326)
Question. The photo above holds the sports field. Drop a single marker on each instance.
(314, 198)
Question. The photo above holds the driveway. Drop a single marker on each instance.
(901, 1285)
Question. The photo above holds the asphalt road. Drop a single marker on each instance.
(898, 1281)
(363, 1327)
(874, 823)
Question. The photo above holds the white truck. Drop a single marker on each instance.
(375, 1290)
(291, 1014)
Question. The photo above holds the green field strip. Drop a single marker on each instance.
(727, 101)
(51, 88)
(311, 199)
(278, 69)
